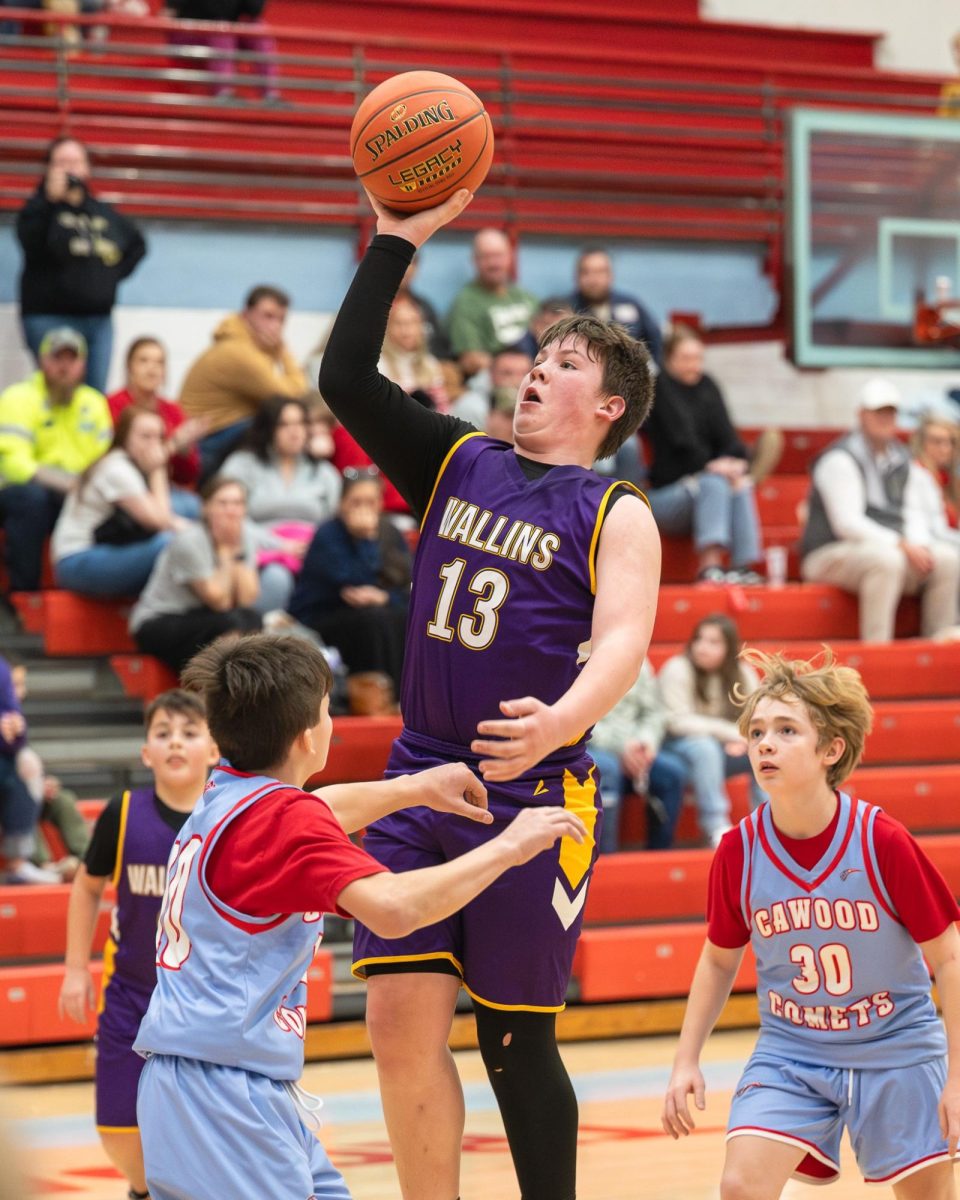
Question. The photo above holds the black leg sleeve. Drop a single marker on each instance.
(536, 1099)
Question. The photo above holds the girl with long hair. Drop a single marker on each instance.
(697, 689)
(118, 516)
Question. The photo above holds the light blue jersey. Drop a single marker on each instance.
(231, 989)
(841, 982)
(218, 1111)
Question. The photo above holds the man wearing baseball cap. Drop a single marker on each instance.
(52, 427)
(862, 534)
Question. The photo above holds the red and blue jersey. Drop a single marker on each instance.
(840, 978)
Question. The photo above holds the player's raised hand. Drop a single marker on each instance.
(534, 830)
(949, 1113)
(417, 227)
(528, 733)
(76, 994)
(453, 788)
(675, 1116)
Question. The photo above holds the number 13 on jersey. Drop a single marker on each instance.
(477, 628)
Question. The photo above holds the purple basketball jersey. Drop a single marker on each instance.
(503, 588)
(139, 876)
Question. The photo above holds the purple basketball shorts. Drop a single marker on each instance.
(513, 945)
(118, 1068)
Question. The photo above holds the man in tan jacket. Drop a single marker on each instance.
(246, 365)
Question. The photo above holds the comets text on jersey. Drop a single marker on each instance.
(516, 540)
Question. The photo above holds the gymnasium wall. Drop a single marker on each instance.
(916, 35)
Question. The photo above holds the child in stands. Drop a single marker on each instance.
(18, 810)
(841, 907)
(130, 847)
(250, 875)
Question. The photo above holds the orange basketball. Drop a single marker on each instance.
(418, 137)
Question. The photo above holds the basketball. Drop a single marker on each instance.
(419, 137)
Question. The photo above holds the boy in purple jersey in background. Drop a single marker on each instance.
(841, 907)
(129, 848)
(534, 592)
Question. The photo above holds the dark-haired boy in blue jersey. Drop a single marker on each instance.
(250, 875)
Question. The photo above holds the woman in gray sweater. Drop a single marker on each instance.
(288, 492)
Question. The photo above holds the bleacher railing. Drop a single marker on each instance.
(631, 147)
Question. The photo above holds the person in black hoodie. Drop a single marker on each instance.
(76, 251)
(699, 471)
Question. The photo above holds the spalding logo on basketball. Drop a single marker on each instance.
(418, 137)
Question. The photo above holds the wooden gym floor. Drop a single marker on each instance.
(624, 1155)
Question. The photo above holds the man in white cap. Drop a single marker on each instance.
(861, 533)
(52, 427)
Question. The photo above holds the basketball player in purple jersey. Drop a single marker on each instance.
(841, 907)
(129, 848)
(534, 594)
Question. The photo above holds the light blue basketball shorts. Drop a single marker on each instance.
(891, 1115)
(210, 1131)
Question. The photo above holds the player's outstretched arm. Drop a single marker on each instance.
(943, 955)
(451, 788)
(394, 905)
(628, 578)
(77, 992)
(417, 227)
(711, 986)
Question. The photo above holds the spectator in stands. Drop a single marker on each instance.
(251, 36)
(288, 493)
(936, 454)
(348, 455)
(491, 312)
(320, 425)
(246, 365)
(205, 582)
(76, 250)
(491, 410)
(950, 89)
(117, 517)
(406, 359)
(548, 312)
(595, 295)
(57, 805)
(354, 588)
(146, 365)
(436, 337)
(52, 427)
(625, 745)
(697, 689)
(863, 533)
(18, 811)
(699, 469)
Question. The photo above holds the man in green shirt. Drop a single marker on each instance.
(491, 313)
(52, 427)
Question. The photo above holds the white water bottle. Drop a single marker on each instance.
(776, 566)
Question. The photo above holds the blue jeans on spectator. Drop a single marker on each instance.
(215, 447)
(276, 588)
(18, 812)
(707, 507)
(665, 784)
(28, 512)
(98, 332)
(185, 504)
(708, 767)
(110, 570)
